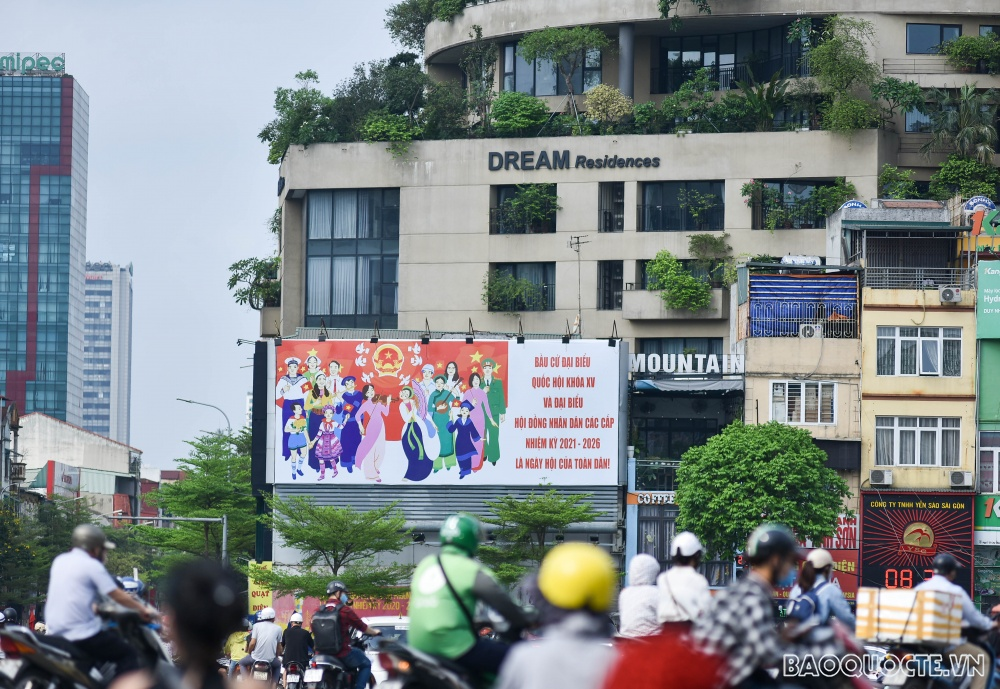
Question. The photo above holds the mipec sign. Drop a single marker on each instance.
(32, 62)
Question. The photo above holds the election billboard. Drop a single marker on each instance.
(901, 532)
(447, 412)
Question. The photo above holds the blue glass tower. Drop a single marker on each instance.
(43, 216)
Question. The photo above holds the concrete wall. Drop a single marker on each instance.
(445, 192)
(43, 438)
(918, 395)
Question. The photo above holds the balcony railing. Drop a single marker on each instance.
(674, 218)
(669, 80)
(788, 216)
(611, 219)
(514, 221)
(918, 278)
(543, 298)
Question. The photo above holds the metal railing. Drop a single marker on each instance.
(789, 216)
(674, 218)
(770, 318)
(513, 221)
(669, 80)
(542, 298)
(611, 219)
(926, 64)
(918, 278)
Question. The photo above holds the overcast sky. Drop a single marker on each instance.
(179, 185)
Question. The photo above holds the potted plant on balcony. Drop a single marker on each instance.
(680, 289)
(765, 202)
(261, 284)
(533, 208)
(698, 205)
(968, 53)
(504, 293)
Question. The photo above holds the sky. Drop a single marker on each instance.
(178, 183)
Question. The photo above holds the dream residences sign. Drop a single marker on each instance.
(16, 63)
(494, 412)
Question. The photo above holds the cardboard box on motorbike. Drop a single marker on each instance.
(908, 616)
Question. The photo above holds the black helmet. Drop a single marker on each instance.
(945, 563)
(10, 615)
(768, 540)
(335, 586)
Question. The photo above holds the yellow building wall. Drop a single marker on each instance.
(936, 396)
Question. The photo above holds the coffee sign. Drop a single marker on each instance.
(30, 63)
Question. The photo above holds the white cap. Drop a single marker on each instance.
(685, 544)
(266, 614)
(820, 558)
(296, 617)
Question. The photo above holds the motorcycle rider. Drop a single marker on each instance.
(265, 644)
(683, 589)
(76, 579)
(945, 571)
(331, 629)
(576, 582)
(8, 616)
(637, 601)
(443, 598)
(829, 596)
(298, 644)
(236, 646)
(739, 625)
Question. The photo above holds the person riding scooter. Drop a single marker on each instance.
(331, 630)
(443, 599)
(265, 644)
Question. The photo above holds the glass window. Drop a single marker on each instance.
(351, 256)
(610, 278)
(917, 122)
(542, 297)
(611, 207)
(921, 351)
(542, 78)
(796, 402)
(924, 39)
(988, 29)
(918, 441)
(682, 206)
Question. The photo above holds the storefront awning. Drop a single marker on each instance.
(689, 385)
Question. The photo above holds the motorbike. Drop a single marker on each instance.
(47, 662)
(329, 672)
(912, 669)
(260, 671)
(293, 676)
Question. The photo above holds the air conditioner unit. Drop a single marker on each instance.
(950, 295)
(961, 479)
(880, 477)
(811, 330)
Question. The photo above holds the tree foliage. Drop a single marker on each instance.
(302, 116)
(446, 112)
(479, 60)
(397, 130)
(254, 282)
(407, 22)
(840, 61)
(565, 48)
(17, 558)
(681, 289)
(607, 105)
(524, 526)
(669, 10)
(336, 543)
(899, 96)
(894, 183)
(764, 99)
(518, 114)
(964, 176)
(749, 474)
(963, 120)
(504, 293)
(216, 483)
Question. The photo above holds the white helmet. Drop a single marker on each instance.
(296, 617)
(685, 544)
(266, 614)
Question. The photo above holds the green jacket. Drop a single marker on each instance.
(437, 623)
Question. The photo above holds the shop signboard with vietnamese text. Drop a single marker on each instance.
(901, 532)
(259, 596)
(844, 577)
(988, 300)
(448, 412)
(987, 520)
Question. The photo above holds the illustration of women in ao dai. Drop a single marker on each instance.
(413, 409)
(371, 418)
(480, 412)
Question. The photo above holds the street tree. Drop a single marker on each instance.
(524, 527)
(17, 558)
(336, 543)
(50, 531)
(216, 482)
(749, 474)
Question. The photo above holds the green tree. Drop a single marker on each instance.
(608, 106)
(479, 60)
(216, 482)
(690, 105)
(764, 100)
(336, 543)
(681, 290)
(446, 113)
(524, 526)
(405, 85)
(518, 114)
(397, 130)
(899, 96)
(302, 117)
(964, 176)
(355, 98)
(963, 120)
(840, 60)
(407, 22)
(502, 292)
(254, 282)
(18, 584)
(894, 183)
(50, 529)
(749, 474)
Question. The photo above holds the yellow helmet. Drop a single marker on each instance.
(576, 576)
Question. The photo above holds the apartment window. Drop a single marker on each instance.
(610, 276)
(989, 28)
(919, 351)
(611, 207)
(924, 39)
(541, 78)
(989, 462)
(524, 209)
(682, 206)
(917, 441)
(803, 402)
(352, 255)
(681, 345)
(540, 296)
(917, 122)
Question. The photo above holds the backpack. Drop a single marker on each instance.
(326, 630)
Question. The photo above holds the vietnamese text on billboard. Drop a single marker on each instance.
(487, 413)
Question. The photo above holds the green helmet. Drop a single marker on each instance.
(462, 531)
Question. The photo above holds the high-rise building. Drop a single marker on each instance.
(107, 350)
(43, 222)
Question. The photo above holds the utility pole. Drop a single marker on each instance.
(211, 520)
(575, 242)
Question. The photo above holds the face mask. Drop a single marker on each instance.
(789, 579)
(343, 598)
